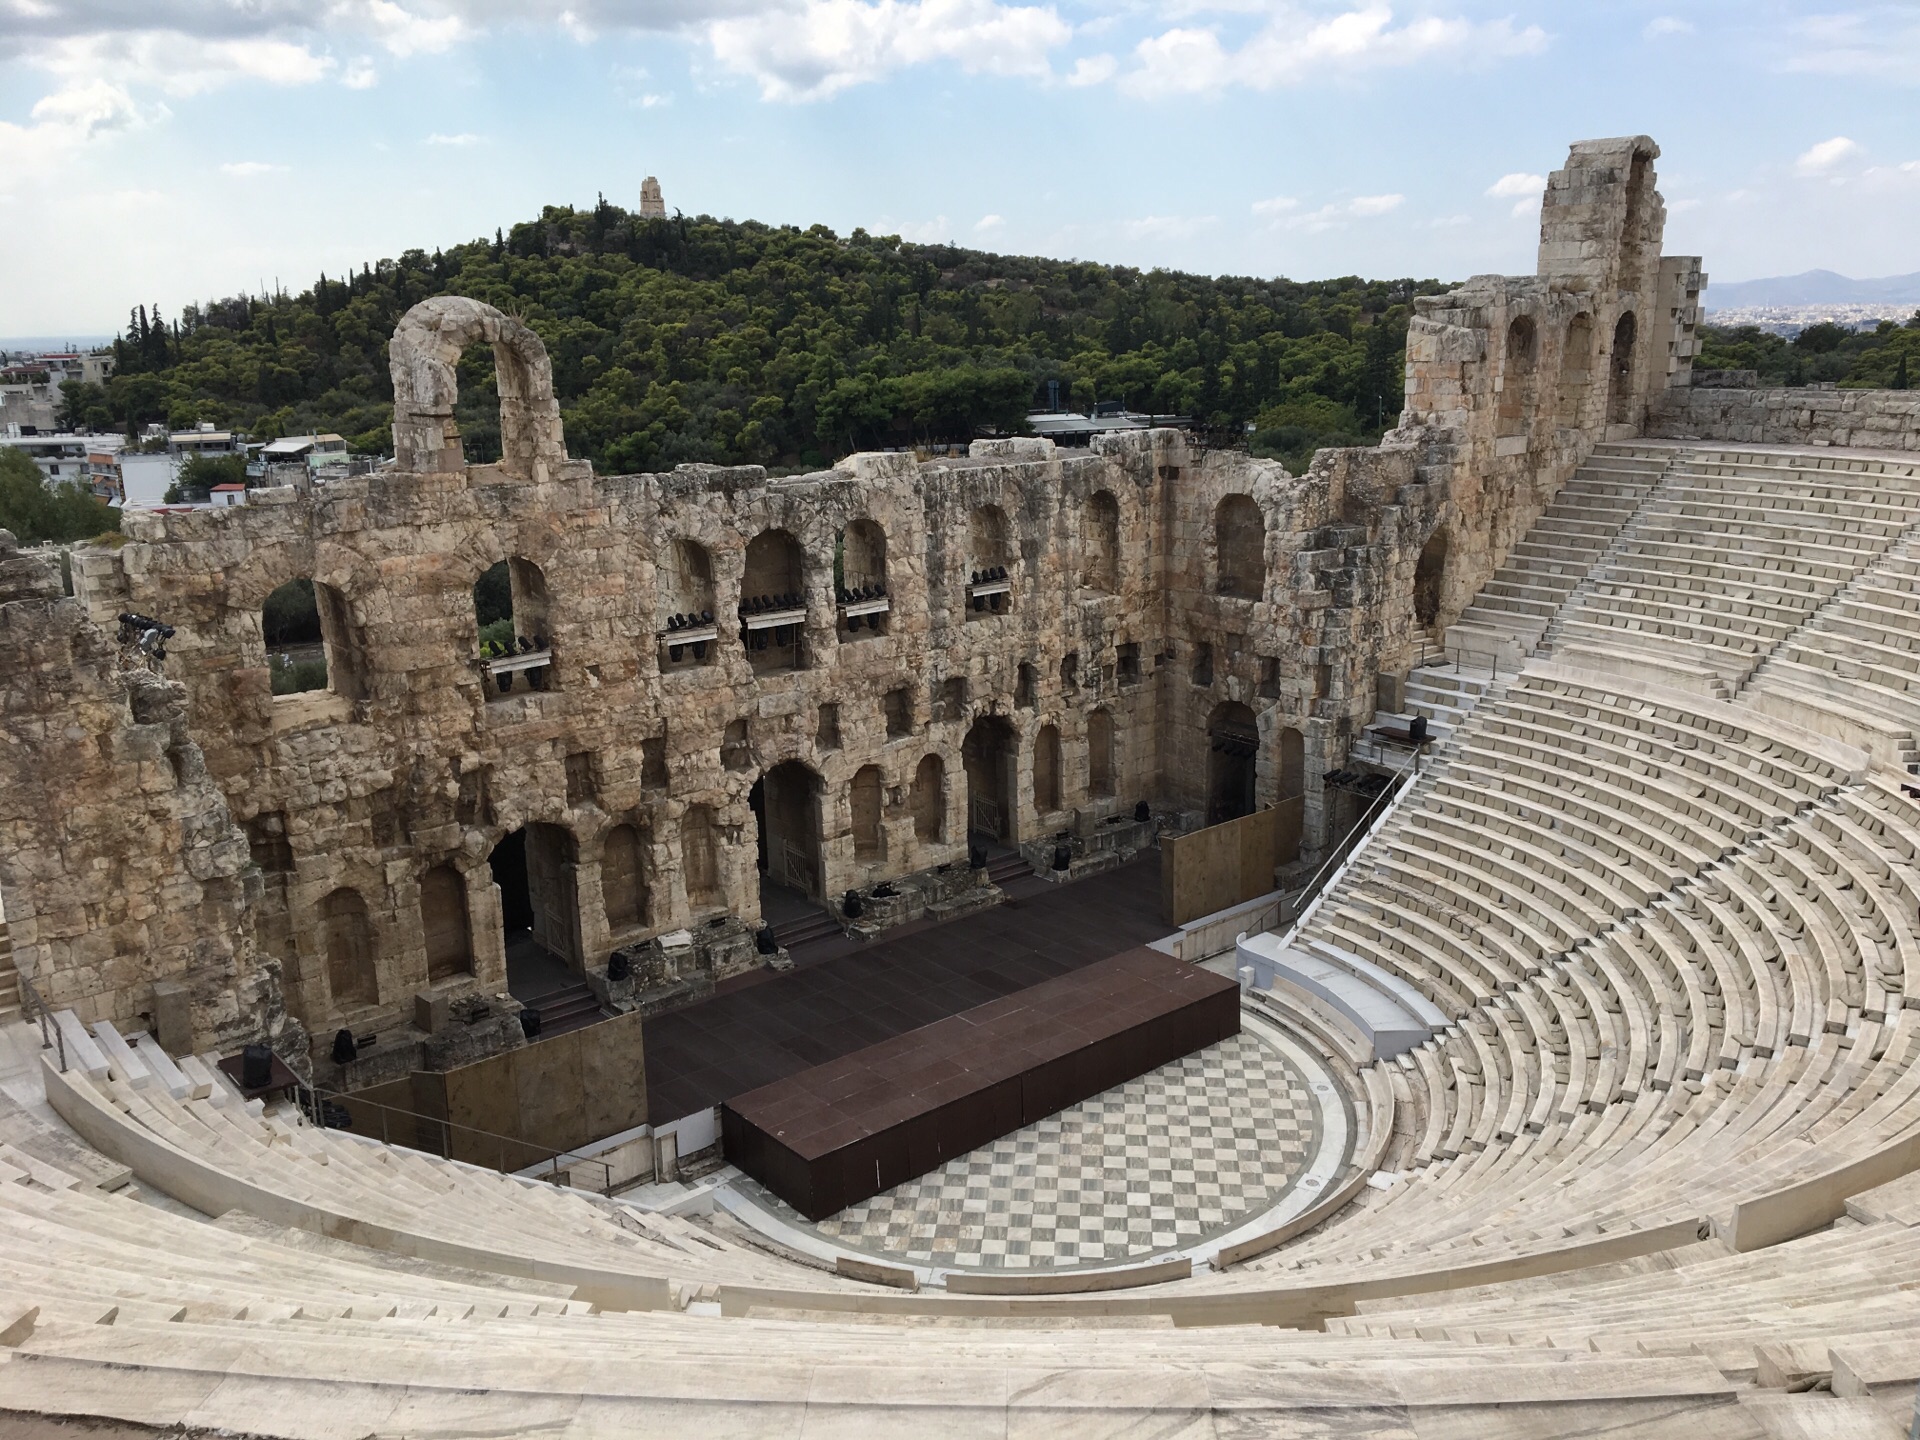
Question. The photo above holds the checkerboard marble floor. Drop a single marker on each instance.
(1168, 1160)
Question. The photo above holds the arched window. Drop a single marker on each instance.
(312, 642)
(510, 611)
(860, 580)
(1576, 371)
(1026, 686)
(429, 362)
(700, 855)
(930, 799)
(1517, 377)
(865, 800)
(1046, 770)
(989, 563)
(1240, 548)
(773, 602)
(352, 974)
(1101, 537)
(1100, 767)
(623, 886)
(685, 619)
(1620, 389)
(444, 924)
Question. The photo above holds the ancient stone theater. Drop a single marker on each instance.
(1039, 941)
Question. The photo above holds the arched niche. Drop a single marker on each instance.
(1046, 769)
(774, 585)
(1576, 370)
(1240, 548)
(700, 856)
(1620, 378)
(444, 923)
(423, 359)
(623, 879)
(1518, 377)
(989, 563)
(929, 801)
(1429, 576)
(860, 580)
(1101, 778)
(684, 585)
(865, 800)
(1293, 763)
(1100, 535)
(312, 642)
(512, 616)
(352, 961)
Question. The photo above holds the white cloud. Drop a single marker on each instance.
(1365, 205)
(651, 101)
(244, 169)
(180, 64)
(1168, 227)
(923, 232)
(1278, 205)
(1662, 26)
(1295, 46)
(1822, 158)
(402, 32)
(360, 75)
(1878, 42)
(461, 140)
(1518, 183)
(821, 47)
(986, 224)
(60, 123)
(1092, 69)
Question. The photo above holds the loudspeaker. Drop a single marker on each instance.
(1417, 729)
(256, 1067)
(530, 1024)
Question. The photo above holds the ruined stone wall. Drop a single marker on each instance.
(1528, 373)
(1866, 419)
(120, 865)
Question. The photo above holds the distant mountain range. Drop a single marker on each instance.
(1813, 287)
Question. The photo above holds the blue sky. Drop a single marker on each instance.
(173, 150)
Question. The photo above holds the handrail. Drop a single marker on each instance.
(314, 1097)
(1319, 882)
(30, 1003)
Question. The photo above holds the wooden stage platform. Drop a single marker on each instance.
(842, 1131)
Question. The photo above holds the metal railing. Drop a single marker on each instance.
(554, 1163)
(33, 1007)
(1321, 882)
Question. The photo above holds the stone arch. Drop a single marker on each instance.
(774, 579)
(988, 545)
(786, 809)
(1101, 537)
(1517, 377)
(1429, 577)
(700, 855)
(863, 556)
(444, 923)
(1620, 381)
(865, 799)
(623, 878)
(512, 616)
(1233, 743)
(353, 975)
(1576, 370)
(1046, 769)
(1240, 547)
(423, 359)
(930, 799)
(1101, 777)
(686, 580)
(989, 753)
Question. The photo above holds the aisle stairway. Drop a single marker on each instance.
(1512, 611)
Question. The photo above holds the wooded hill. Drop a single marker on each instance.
(691, 339)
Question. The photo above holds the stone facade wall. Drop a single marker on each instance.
(1863, 419)
(120, 864)
(1201, 631)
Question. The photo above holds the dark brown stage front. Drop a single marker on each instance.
(840, 1132)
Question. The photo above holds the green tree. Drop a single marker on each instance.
(38, 513)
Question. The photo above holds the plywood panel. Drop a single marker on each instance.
(1222, 865)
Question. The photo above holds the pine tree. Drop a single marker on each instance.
(1900, 373)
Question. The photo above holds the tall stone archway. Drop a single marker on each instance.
(991, 754)
(424, 359)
